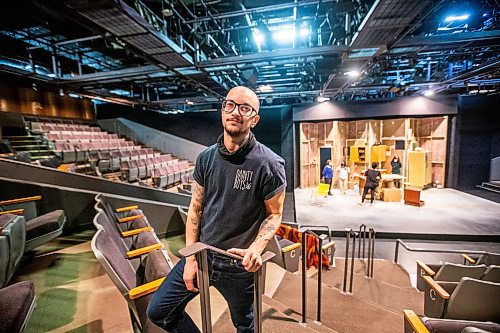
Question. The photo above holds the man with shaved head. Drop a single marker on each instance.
(236, 206)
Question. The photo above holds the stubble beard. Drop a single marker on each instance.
(235, 133)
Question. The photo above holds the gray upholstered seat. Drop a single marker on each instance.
(436, 325)
(454, 272)
(17, 303)
(44, 228)
(12, 244)
(492, 274)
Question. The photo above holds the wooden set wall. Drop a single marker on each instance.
(431, 134)
(21, 99)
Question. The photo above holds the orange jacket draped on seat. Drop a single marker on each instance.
(292, 234)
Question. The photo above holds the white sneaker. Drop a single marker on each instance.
(371, 203)
(360, 203)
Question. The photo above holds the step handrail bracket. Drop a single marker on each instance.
(200, 251)
(304, 231)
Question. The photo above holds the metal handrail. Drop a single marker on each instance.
(200, 251)
(399, 241)
(362, 234)
(304, 231)
(349, 233)
(309, 227)
(371, 252)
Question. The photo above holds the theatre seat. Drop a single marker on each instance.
(12, 245)
(448, 272)
(39, 228)
(437, 325)
(470, 299)
(287, 253)
(17, 303)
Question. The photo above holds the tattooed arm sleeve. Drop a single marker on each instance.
(193, 223)
(268, 228)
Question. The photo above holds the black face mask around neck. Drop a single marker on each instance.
(239, 154)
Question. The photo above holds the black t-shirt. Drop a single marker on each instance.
(371, 178)
(235, 190)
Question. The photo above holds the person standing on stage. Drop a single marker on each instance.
(373, 178)
(343, 173)
(328, 175)
(396, 168)
(237, 205)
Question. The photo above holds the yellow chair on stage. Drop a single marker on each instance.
(320, 192)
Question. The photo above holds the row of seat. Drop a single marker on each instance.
(132, 256)
(44, 127)
(23, 229)
(171, 174)
(110, 160)
(71, 135)
(79, 152)
(458, 298)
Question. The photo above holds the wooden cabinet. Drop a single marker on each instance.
(357, 154)
(419, 168)
(378, 153)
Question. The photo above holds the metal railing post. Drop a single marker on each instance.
(257, 303)
(369, 254)
(352, 261)
(396, 252)
(347, 240)
(373, 252)
(362, 234)
(320, 269)
(304, 263)
(206, 319)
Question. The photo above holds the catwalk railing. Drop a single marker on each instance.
(361, 235)
(304, 232)
(199, 250)
(411, 249)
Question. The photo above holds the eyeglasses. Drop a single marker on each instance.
(245, 110)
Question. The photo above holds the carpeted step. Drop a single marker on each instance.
(383, 270)
(273, 321)
(376, 291)
(295, 315)
(342, 313)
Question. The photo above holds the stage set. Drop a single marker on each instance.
(412, 202)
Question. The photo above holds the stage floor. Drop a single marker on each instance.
(446, 211)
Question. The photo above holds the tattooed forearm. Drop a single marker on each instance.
(194, 215)
(267, 230)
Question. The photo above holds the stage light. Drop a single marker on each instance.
(428, 93)
(265, 88)
(283, 36)
(352, 73)
(258, 36)
(457, 18)
(322, 99)
(304, 31)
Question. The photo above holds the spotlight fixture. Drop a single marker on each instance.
(352, 73)
(428, 92)
(453, 18)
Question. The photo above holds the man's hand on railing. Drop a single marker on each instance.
(190, 273)
(252, 261)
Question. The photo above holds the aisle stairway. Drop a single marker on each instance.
(376, 305)
(32, 144)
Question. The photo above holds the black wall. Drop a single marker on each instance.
(476, 140)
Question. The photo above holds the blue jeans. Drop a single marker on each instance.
(166, 308)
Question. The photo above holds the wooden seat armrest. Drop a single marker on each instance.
(469, 259)
(126, 209)
(145, 289)
(130, 218)
(144, 250)
(426, 268)
(327, 245)
(20, 200)
(290, 247)
(415, 322)
(14, 211)
(437, 288)
(134, 232)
